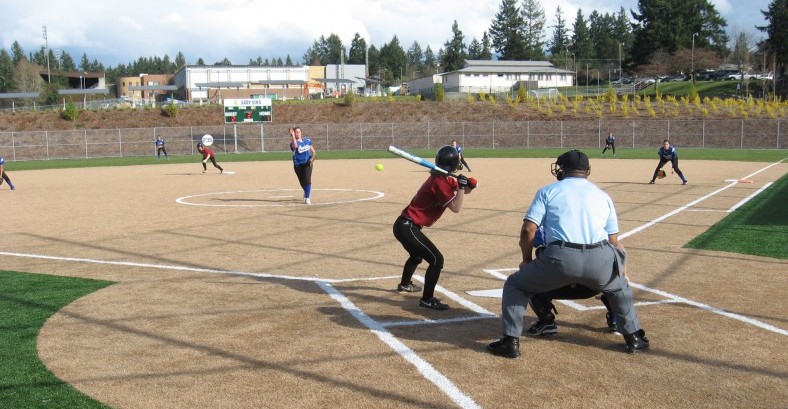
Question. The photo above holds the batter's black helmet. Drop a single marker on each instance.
(448, 158)
(571, 161)
(199, 144)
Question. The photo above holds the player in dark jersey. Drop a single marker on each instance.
(303, 159)
(668, 153)
(207, 155)
(4, 176)
(610, 142)
(159, 142)
(437, 194)
(462, 157)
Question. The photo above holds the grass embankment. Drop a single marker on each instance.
(26, 302)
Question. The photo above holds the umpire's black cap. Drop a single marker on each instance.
(573, 160)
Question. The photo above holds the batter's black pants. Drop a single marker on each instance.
(419, 247)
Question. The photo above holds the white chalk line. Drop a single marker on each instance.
(748, 198)
(185, 199)
(425, 368)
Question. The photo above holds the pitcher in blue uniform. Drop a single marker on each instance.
(303, 159)
(5, 175)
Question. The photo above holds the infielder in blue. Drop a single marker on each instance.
(668, 153)
(610, 142)
(159, 142)
(3, 175)
(303, 158)
(581, 231)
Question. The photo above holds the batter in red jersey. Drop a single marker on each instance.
(437, 194)
(207, 155)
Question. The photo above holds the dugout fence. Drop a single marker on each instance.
(266, 137)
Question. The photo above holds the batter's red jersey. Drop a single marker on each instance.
(431, 200)
(207, 153)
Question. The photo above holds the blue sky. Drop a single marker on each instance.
(114, 32)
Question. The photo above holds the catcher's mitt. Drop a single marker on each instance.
(661, 174)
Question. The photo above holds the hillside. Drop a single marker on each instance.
(332, 111)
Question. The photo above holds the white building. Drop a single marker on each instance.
(495, 77)
(213, 82)
(350, 76)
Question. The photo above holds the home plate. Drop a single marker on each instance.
(497, 293)
(228, 172)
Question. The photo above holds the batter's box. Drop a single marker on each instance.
(648, 297)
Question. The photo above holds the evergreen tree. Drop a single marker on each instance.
(17, 54)
(67, 62)
(486, 52)
(506, 31)
(474, 49)
(429, 61)
(358, 50)
(84, 63)
(581, 39)
(289, 61)
(665, 26)
(415, 55)
(455, 55)
(200, 62)
(394, 59)
(533, 29)
(374, 63)
(560, 39)
(601, 30)
(180, 60)
(6, 71)
(777, 31)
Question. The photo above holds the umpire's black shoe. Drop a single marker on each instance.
(543, 328)
(433, 304)
(636, 341)
(408, 288)
(507, 347)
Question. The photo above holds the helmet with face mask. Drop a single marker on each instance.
(571, 161)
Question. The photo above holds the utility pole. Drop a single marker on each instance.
(46, 44)
(692, 74)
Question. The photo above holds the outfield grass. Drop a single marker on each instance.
(759, 227)
(745, 155)
(26, 302)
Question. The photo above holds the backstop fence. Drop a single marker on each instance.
(243, 138)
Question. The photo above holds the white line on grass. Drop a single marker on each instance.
(748, 198)
(428, 371)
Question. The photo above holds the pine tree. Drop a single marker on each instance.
(358, 50)
(533, 29)
(560, 39)
(582, 47)
(777, 31)
(506, 32)
(455, 55)
(486, 52)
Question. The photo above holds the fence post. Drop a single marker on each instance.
(46, 137)
(742, 135)
(633, 134)
(392, 133)
(361, 133)
(493, 141)
(599, 134)
(428, 135)
(262, 137)
(120, 143)
(13, 144)
(703, 132)
(528, 134)
(86, 144)
(778, 133)
(669, 130)
(561, 136)
(235, 138)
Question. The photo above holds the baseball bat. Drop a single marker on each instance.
(417, 160)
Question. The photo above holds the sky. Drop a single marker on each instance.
(118, 32)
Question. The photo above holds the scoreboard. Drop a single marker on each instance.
(247, 110)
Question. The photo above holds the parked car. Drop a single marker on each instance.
(766, 76)
(705, 75)
(723, 75)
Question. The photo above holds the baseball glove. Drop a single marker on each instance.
(661, 174)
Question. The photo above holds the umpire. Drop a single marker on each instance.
(581, 232)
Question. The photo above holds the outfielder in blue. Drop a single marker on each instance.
(581, 232)
(668, 153)
(462, 157)
(303, 158)
(160, 148)
(3, 175)
(610, 142)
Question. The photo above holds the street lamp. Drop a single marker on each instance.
(692, 73)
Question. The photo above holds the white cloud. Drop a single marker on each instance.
(119, 32)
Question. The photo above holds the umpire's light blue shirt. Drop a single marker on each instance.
(574, 210)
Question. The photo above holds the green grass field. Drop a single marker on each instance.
(759, 227)
(26, 302)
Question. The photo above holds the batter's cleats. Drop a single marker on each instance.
(541, 328)
(433, 304)
(408, 288)
(636, 341)
(507, 347)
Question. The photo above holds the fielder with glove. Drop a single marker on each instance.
(207, 155)
(668, 153)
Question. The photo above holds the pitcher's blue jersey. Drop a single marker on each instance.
(302, 152)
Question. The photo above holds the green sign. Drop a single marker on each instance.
(248, 110)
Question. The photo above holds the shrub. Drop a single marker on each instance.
(470, 98)
(170, 110)
(440, 95)
(521, 94)
(70, 112)
(349, 98)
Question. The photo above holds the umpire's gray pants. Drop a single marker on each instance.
(559, 266)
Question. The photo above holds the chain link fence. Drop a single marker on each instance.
(242, 138)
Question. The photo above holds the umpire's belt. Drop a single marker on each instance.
(577, 246)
